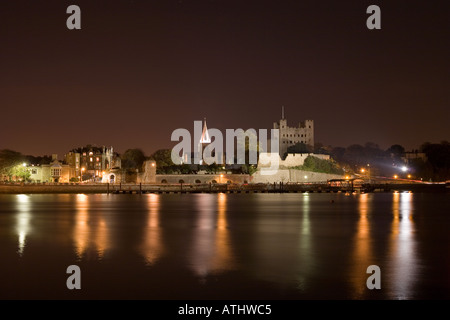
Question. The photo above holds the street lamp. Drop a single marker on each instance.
(81, 176)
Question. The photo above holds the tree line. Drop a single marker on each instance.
(435, 166)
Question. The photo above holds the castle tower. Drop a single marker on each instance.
(290, 136)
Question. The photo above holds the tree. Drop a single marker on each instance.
(396, 150)
(315, 164)
(438, 157)
(132, 159)
(10, 161)
(19, 171)
(298, 148)
(248, 169)
(164, 163)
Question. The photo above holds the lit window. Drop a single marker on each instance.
(98, 159)
(91, 153)
(90, 159)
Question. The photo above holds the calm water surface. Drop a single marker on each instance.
(225, 246)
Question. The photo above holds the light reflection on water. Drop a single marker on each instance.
(152, 246)
(362, 256)
(402, 252)
(210, 251)
(23, 218)
(91, 233)
(300, 241)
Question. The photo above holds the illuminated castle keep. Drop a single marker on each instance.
(290, 136)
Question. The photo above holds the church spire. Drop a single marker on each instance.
(205, 135)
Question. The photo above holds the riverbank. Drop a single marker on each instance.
(215, 188)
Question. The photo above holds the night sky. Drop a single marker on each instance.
(137, 70)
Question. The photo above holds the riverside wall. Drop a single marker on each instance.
(293, 176)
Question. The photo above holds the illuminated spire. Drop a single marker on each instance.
(205, 135)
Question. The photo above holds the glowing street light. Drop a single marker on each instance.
(395, 176)
(404, 168)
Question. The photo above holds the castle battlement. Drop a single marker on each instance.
(290, 136)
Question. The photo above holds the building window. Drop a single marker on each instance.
(33, 171)
(56, 172)
(90, 159)
(91, 153)
(98, 159)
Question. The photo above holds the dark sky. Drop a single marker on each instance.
(139, 69)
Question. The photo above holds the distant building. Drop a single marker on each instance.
(290, 136)
(93, 161)
(410, 156)
(205, 140)
(56, 171)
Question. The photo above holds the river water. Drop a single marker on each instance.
(225, 246)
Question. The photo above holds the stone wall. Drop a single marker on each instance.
(149, 172)
(292, 159)
(294, 175)
(203, 178)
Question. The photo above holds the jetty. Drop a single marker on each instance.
(330, 186)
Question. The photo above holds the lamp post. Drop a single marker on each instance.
(81, 175)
